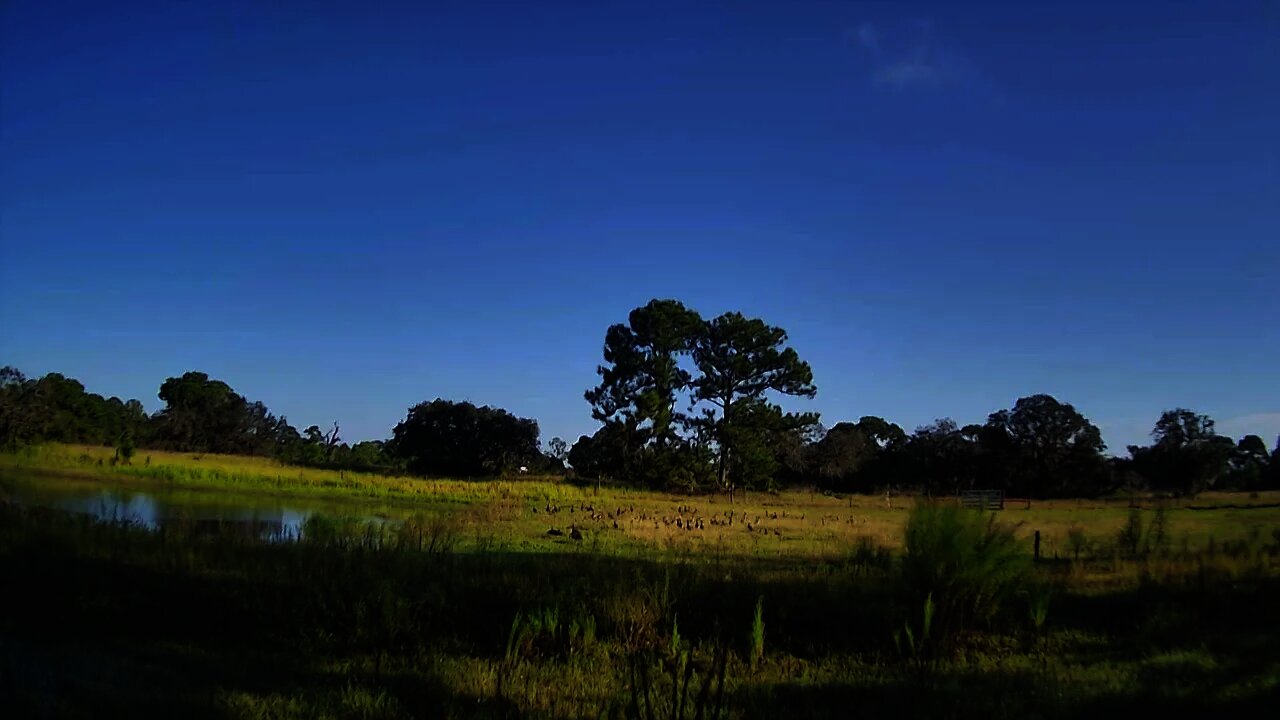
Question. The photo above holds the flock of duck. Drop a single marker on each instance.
(685, 518)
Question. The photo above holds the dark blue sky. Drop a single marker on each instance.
(345, 209)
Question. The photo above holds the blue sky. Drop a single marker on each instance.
(343, 210)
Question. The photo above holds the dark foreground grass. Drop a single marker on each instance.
(109, 620)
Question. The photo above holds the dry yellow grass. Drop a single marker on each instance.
(517, 513)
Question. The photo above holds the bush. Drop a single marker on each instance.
(868, 557)
(964, 564)
(1077, 542)
(544, 633)
(125, 448)
(1129, 539)
(756, 652)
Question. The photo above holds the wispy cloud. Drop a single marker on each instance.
(868, 38)
(916, 71)
(152, 334)
(901, 58)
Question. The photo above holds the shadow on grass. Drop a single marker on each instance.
(110, 620)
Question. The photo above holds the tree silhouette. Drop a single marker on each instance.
(1048, 446)
(741, 359)
(442, 437)
(1188, 456)
(642, 375)
(559, 449)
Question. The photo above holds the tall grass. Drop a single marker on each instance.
(242, 473)
(964, 564)
(755, 652)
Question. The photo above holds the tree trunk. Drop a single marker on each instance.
(724, 451)
(724, 464)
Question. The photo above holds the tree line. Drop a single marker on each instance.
(205, 415)
(684, 403)
(690, 403)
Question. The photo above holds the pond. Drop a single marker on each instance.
(259, 515)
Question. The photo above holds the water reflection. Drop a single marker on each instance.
(203, 513)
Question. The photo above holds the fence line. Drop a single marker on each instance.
(982, 499)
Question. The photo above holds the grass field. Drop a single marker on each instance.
(468, 608)
(515, 514)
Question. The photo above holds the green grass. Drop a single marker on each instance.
(510, 514)
(244, 474)
(465, 607)
(108, 619)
